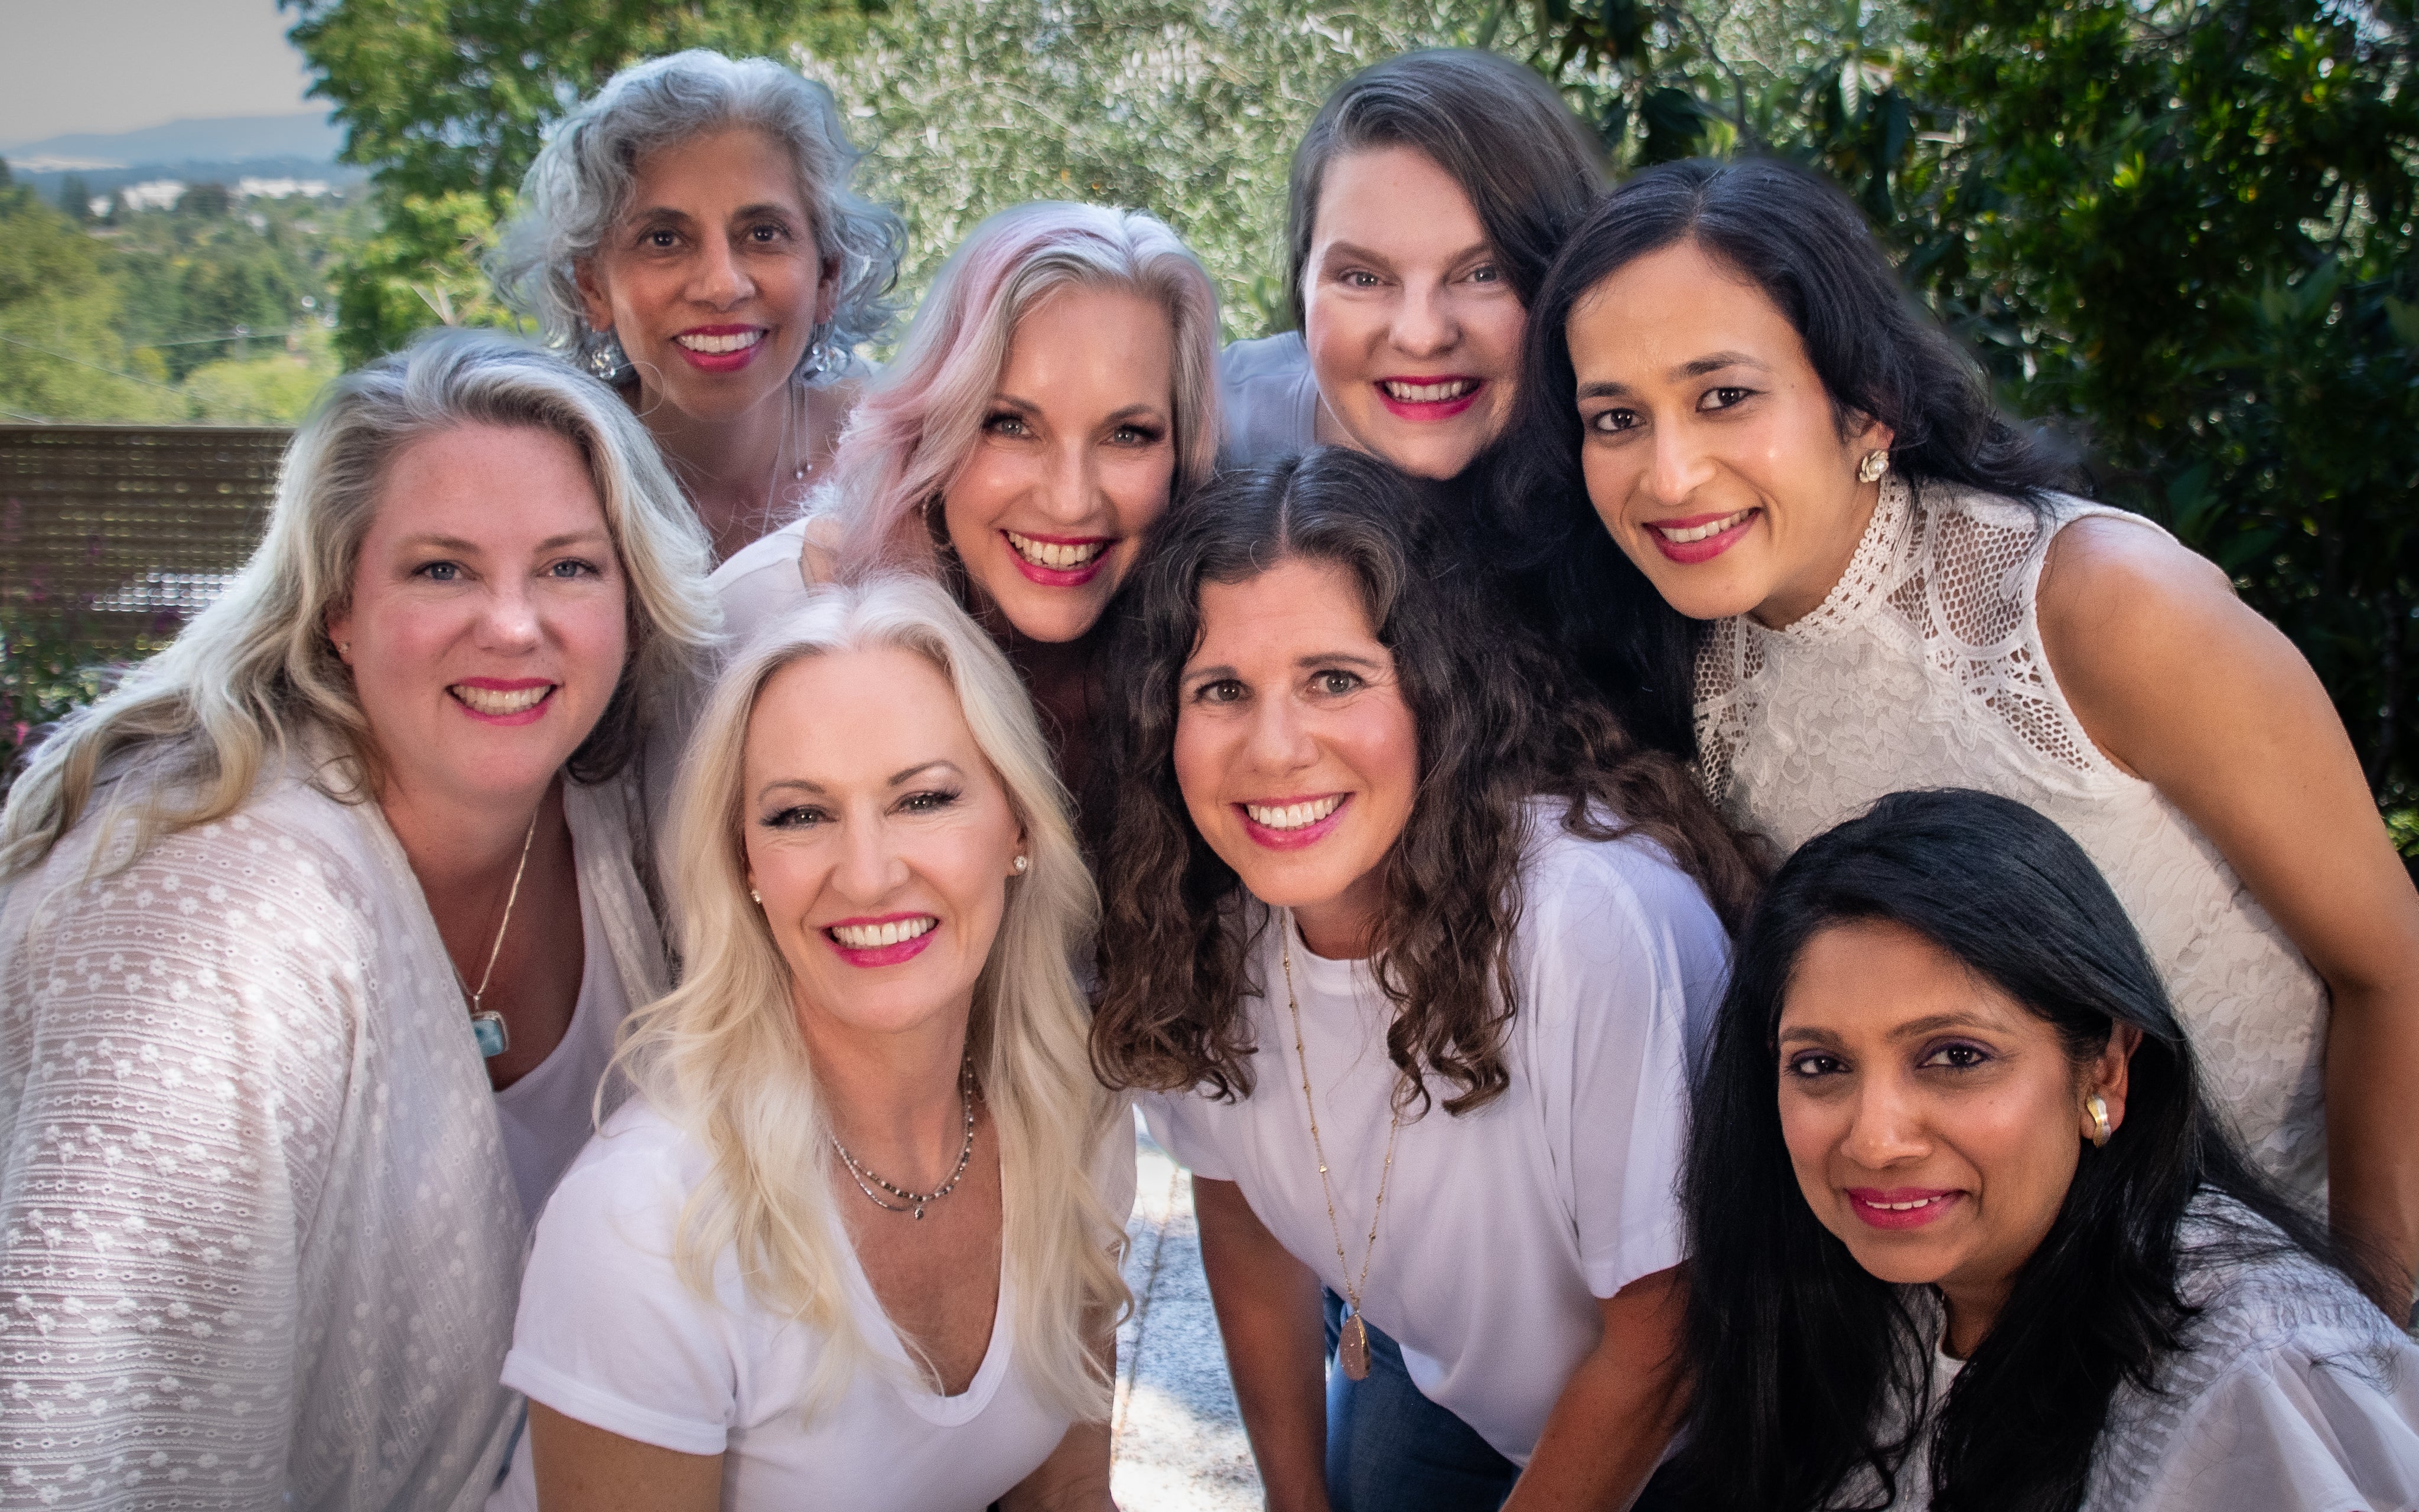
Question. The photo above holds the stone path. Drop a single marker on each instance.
(1178, 1442)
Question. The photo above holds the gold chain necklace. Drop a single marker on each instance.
(1352, 1339)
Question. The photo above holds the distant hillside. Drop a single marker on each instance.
(306, 135)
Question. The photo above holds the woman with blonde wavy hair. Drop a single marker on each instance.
(1058, 389)
(314, 936)
(854, 1243)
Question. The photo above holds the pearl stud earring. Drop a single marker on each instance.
(1021, 864)
(1876, 462)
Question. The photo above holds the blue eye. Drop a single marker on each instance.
(440, 572)
(805, 816)
(931, 802)
(573, 567)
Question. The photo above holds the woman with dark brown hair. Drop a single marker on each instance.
(1426, 201)
(1412, 950)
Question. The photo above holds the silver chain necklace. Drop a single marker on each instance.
(914, 1201)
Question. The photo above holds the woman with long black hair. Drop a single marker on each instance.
(1781, 516)
(1965, 1231)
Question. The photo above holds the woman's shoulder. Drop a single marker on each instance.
(2291, 1388)
(632, 1179)
(1283, 355)
(1566, 873)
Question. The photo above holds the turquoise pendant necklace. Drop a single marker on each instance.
(487, 1024)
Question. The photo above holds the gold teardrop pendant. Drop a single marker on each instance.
(1352, 1348)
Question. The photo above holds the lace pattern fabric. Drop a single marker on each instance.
(258, 1240)
(1924, 668)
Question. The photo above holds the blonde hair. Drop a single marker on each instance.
(722, 1056)
(184, 738)
(918, 423)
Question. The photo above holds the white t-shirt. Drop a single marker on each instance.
(610, 1334)
(1502, 1226)
(549, 1114)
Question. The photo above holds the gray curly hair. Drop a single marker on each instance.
(581, 182)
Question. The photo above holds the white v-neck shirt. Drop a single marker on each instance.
(1503, 1227)
(611, 1335)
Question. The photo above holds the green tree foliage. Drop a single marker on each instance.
(2180, 232)
(61, 355)
(1185, 108)
(448, 102)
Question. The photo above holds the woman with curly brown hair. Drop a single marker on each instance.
(1410, 947)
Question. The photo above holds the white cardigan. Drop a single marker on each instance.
(259, 1244)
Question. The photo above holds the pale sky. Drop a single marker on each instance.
(118, 65)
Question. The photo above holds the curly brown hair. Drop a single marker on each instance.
(1499, 722)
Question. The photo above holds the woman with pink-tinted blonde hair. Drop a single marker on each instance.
(1057, 388)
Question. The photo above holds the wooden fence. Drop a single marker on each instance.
(129, 527)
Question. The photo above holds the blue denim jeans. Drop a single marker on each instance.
(1389, 1449)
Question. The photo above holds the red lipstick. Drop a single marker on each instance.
(879, 955)
(1430, 410)
(723, 362)
(1293, 840)
(1691, 552)
(1889, 1209)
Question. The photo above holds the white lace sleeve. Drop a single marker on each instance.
(176, 1043)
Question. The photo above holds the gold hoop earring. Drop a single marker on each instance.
(2097, 1107)
(1876, 462)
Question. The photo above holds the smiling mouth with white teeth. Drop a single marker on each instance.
(1059, 556)
(719, 345)
(874, 936)
(496, 701)
(1402, 393)
(1293, 815)
(1702, 532)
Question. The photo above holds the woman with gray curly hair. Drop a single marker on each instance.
(689, 236)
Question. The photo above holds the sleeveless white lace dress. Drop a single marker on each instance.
(1924, 669)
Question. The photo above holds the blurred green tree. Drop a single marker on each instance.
(448, 100)
(61, 356)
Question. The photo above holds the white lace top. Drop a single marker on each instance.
(259, 1243)
(1924, 669)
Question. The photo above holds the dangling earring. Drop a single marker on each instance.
(1021, 864)
(2097, 1107)
(818, 357)
(605, 357)
(1876, 462)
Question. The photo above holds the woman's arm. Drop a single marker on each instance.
(581, 1468)
(1075, 1477)
(184, 1074)
(1267, 1307)
(2179, 683)
(1609, 1427)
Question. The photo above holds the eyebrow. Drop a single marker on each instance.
(456, 543)
(1912, 1030)
(1699, 367)
(1317, 659)
(1353, 249)
(899, 779)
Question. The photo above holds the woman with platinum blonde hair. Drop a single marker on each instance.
(689, 236)
(854, 1243)
(314, 936)
(1058, 389)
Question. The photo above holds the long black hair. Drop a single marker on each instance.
(1796, 1346)
(1498, 721)
(1495, 127)
(1803, 244)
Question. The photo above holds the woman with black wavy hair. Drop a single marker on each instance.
(1965, 1231)
(1367, 855)
(1780, 515)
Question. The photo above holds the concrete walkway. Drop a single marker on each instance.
(1179, 1443)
